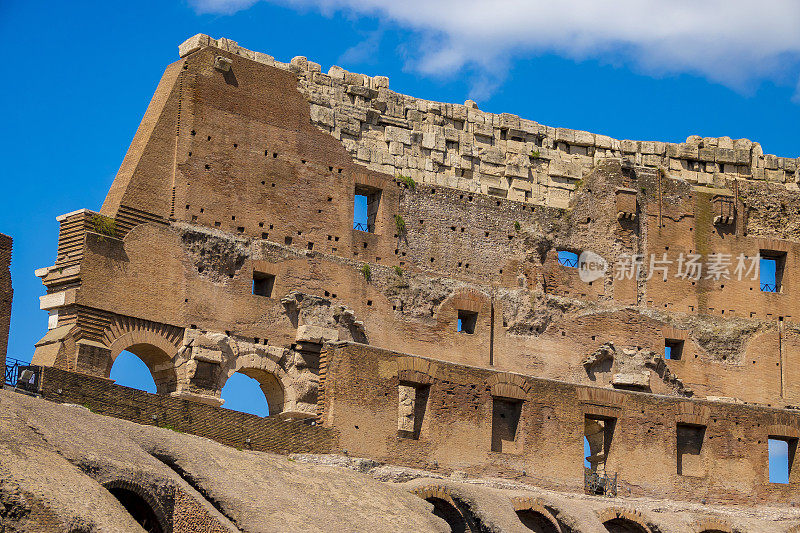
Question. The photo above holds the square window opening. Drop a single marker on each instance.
(366, 201)
(467, 320)
(567, 258)
(673, 349)
(263, 284)
(770, 270)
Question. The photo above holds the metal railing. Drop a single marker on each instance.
(599, 483)
(360, 227)
(21, 375)
(767, 287)
(12, 371)
(568, 262)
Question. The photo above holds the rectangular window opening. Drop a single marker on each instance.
(467, 320)
(263, 284)
(689, 448)
(366, 201)
(412, 403)
(770, 270)
(505, 419)
(597, 436)
(673, 349)
(567, 258)
(781, 458)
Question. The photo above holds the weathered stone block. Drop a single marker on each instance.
(316, 334)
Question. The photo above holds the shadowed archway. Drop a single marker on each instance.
(141, 505)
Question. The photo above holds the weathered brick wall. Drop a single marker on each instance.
(456, 433)
(6, 294)
(188, 516)
(463, 147)
(255, 186)
(228, 427)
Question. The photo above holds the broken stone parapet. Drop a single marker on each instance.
(504, 155)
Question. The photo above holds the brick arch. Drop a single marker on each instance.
(535, 505)
(276, 384)
(507, 385)
(467, 299)
(712, 525)
(783, 430)
(440, 497)
(154, 343)
(116, 485)
(692, 413)
(617, 516)
(416, 370)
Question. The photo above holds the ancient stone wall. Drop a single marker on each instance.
(6, 295)
(227, 244)
(229, 183)
(462, 147)
(490, 423)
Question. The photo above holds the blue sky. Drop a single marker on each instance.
(79, 75)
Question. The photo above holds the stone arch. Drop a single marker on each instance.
(450, 509)
(535, 516)
(617, 520)
(140, 504)
(275, 383)
(155, 344)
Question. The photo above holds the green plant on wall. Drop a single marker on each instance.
(535, 154)
(104, 225)
(408, 181)
(517, 225)
(366, 271)
(398, 270)
(400, 225)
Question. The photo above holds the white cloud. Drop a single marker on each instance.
(734, 42)
(222, 7)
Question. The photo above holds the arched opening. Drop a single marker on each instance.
(158, 362)
(247, 389)
(139, 509)
(160, 365)
(623, 525)
(536, 521)
(449, 513)
(243, 393)
(130, 371)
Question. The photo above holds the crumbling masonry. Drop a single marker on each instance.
(445, 333)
